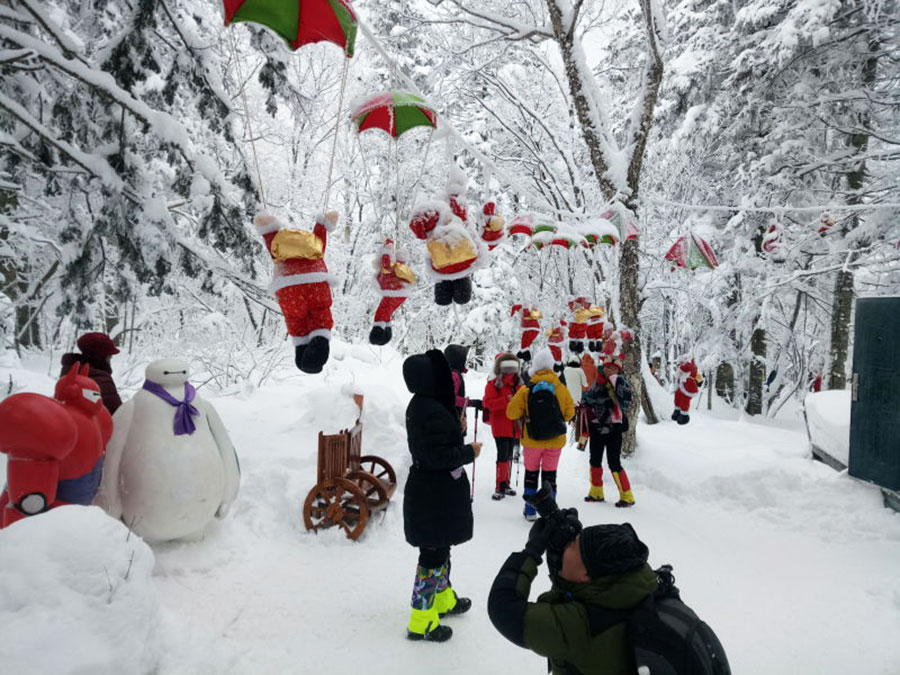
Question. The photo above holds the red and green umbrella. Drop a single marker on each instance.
(395, 112)
(691, 252)
(299, 22)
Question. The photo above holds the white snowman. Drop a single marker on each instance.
(170, 466)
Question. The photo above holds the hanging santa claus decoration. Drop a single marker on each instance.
(530, 328)
(556, 338)
(394, 279)
(579, 314)
(594, 330)
(687, 384)
(302, 285)
(453, 253)
(492, 225)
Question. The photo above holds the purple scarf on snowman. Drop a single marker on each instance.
(183, 422)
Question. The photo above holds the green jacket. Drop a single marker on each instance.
(557, 625)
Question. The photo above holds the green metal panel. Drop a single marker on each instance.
(875, 406)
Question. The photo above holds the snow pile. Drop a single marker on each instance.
(76, 596)
(828, 419)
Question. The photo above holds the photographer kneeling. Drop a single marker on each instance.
(603, 567)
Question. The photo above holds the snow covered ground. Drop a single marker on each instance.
(794, 565)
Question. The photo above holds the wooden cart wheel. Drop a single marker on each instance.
(337, 501)
(377, 495)
(379, 468)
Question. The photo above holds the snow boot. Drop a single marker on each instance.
(594, 346)
(448, 603)
(626, 498)
(316, 355)
(462, 290)
(425, 625)
(596, 492)
(298, 355)
(443, 292)
(529, 511)
(508, 491)
(424, 620)
(498, 495)
(684, 419)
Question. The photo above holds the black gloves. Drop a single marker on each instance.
(539, 538)
(476, 403)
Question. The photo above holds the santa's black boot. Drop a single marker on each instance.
(462, 290)
(298, 355)
(524, 355)
(684, 419)
(316, 355)
(380, 335)
(443, 293)
(593, 346)
(676, 414)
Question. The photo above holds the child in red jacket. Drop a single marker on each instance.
(498, 392)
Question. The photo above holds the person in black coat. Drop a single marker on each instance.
(437, 511)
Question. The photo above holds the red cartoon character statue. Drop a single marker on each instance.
(55, 447)
(394, 279)
(580, 313)
(531, 327)
(302, 285)
(687, 383)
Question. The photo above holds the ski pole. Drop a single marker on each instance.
(474, 440)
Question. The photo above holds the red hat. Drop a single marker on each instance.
(97, 344)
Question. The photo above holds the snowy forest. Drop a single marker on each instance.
(140, 138)
(719, 179)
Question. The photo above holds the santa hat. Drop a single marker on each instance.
(543, 360)
(266, 223)
(99, 345)
(328, 220)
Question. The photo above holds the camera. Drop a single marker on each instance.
(563, 524)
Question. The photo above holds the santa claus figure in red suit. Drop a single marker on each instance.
(531, 328)
(579, 309)
(302, 285)
(55, 446)
(594, 330)
(614, 340)
(556, 338)
(454, 254)
(492, 231)
(687, 384)
(394, 279)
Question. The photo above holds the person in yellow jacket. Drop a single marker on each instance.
(541, 454)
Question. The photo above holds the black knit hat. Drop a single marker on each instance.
(611, 549)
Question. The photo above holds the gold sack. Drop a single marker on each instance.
(289, 244)
(444, 255)
(404, 272)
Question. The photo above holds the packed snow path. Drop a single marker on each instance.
(794, 565)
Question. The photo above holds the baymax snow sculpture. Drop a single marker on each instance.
(54, 445)
(171, 467)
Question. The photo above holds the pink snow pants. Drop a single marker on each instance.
(541, 458)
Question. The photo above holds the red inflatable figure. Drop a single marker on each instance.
(531, 327)
(594, 328)
(580, 309)
(394, 279)
(492, 231)
(302, 285)
(556, 337)
(55, 447)
(687, 383)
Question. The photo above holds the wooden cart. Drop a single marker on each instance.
(350, 486)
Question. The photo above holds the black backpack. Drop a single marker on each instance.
(543, 417)
(666, 636)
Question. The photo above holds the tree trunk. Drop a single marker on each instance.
(757, 372)
(840, 329)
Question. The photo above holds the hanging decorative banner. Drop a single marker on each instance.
(559, 236)
(394, 112)
(691, 252)
(522, 224)
(599, 231)
(624, 222)
(299, 22)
